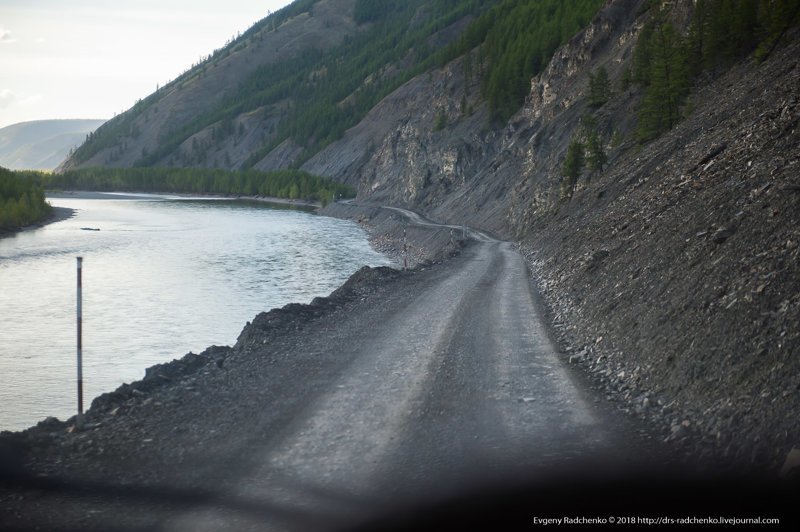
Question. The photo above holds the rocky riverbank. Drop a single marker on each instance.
(185, 424)
(152, 431)
(185, 420)
(426, 246)
(391, 233)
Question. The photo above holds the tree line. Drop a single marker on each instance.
(515, 41)
(21, 201)
(288, 184)
(667, 62)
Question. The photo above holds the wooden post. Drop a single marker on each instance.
(80, 340)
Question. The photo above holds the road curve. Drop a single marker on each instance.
(461, 383)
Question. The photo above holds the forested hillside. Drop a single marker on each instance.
(21, 201)
(310, 95)
(669, 60)
(285, 110)
(675, 54)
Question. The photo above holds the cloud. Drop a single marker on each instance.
(5, 36)
(6, 98)
(31, 100)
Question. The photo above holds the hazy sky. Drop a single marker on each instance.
(94, 58)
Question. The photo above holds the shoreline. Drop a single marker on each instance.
(92, 194)
(377, 237)
(59, 214)
(426, 246)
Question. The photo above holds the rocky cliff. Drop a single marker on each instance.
(672, 274)
(493, 177)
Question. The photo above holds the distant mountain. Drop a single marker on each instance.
(42, 144)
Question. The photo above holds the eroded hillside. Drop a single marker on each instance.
(468, 170)
(675, 273)
(671, 272)
(670, 267)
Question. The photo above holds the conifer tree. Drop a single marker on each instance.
(667, 82)
(596, 156)
(599, 87)
(573, 166)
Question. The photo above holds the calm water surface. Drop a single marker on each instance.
(162, 277)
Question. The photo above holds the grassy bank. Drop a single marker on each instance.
(21, 201)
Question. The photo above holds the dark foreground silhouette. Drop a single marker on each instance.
(571, 497)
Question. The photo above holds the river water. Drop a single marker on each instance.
(163, 276)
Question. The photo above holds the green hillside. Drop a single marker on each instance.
(325, 92)
(21, 201)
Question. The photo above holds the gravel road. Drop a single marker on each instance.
(418, 385)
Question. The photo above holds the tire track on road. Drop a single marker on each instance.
(340, 440)
(462, 384)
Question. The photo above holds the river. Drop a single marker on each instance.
(161, 277)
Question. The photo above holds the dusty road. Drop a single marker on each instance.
(461, 385)
(438, 380)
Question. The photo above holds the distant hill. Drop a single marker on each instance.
(42, 144)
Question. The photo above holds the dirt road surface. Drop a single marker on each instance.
(437, 380)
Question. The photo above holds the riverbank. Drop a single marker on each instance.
(211, 266)
(418, 246)
(59, 214)
(391, 233)
(188, 416)
(81, 194)
(384, 228)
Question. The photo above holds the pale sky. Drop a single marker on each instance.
(94, 58)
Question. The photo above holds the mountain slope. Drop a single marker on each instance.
(295, 83)
(301, 28)
(42, 144)
(672, 272)
(468, 170)
(671, 268)
(302, 75)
